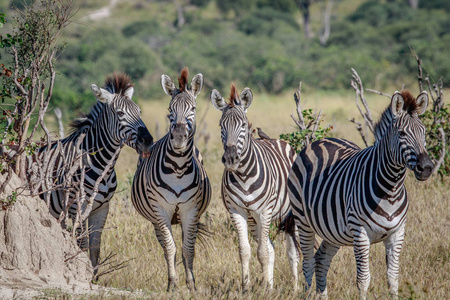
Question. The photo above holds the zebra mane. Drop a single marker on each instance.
(410, 106)
(117, 83)
(182, 80)
(233, 99)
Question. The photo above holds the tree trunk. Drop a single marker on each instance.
(414, 4)
(303, 5)
(180, 20)
(325, 32)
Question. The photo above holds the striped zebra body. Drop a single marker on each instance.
(260, 182)
(254, 184)
(113, 122)
(354, 197)
(171, 186)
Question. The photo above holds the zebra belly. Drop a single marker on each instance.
(257, 203)
(335, 227)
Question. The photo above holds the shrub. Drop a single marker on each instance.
(300, 138)
(433, 137)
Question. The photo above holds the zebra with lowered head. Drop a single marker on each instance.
(254, 184)
(171, 186)
(357, 197)
(113, 121)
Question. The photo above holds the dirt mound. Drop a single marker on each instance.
(34, 251)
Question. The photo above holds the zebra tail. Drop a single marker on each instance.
(204, 234)
(288, 226)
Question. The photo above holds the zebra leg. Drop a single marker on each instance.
(361, 247)
(393, 245)
(266, 253)
(293, 257)
(96, 221)
(240, 223)
(163, 231)
(323, 258)
(307, 241)
(189, 225)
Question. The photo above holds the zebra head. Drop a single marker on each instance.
(182, 108)
(235, 129)
(123, 118)
(409, 133)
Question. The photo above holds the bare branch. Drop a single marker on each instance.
(111, 264)
(297, 98)
(357, 85)
(16, 72)
(419, 69)
(108, 167)
(360, 130)
(379, 93)
(316, 125)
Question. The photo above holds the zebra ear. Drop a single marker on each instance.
(217, 100)
(167, 85)
(397, 103)
(246, 98)
(422, 103)
(101, 94)
(129, 92)
(197, 84)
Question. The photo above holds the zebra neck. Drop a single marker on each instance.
(387, 183)
(178, 160)
(250, 160)
(100, 143)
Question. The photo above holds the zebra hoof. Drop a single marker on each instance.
(172, 286)
(191, 286)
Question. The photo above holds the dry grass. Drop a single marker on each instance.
(424, 262)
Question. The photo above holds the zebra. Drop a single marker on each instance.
(171, 185)
(254, 184)
(113, 119)
(357, 197)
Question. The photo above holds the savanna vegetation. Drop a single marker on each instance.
(263, 45)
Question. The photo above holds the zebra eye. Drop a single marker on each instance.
(402, 134)
(193, 109)
(120, 113)
(243, 126)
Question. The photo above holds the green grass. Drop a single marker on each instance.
(424, 262)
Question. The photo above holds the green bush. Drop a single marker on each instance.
(298, 139)
(433, 137)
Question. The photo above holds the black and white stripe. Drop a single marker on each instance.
(171, 186)
(113, 120)
(354, 197)
(254, 183)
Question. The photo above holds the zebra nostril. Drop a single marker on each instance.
(223, 159)
(419, 168)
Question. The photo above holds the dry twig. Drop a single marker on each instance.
(360, 130)
(357, 85)
(297, 98)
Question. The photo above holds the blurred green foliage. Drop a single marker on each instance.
(255, 43)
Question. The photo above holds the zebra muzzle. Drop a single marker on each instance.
(231, 158)
(424, 167)
(144, 142)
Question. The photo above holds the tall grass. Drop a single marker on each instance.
(424, 262)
